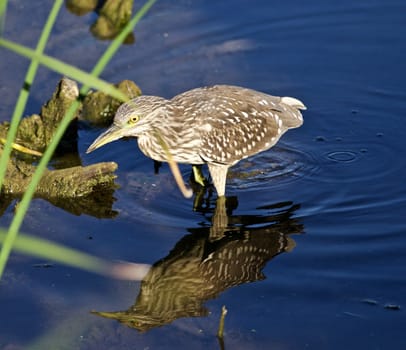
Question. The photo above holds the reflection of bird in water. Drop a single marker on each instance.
(207, 262)
(218, 125)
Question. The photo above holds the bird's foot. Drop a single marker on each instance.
(198, 176)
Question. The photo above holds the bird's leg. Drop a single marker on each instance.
(198, 175)
(218, 173)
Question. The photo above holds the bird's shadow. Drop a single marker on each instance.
(223, 251)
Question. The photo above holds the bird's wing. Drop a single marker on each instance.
(234, 123)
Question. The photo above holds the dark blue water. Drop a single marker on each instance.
(316, 223)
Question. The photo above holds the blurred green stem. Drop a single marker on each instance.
(18, 111)
(3, 9)
(24, 204)
(24, 92)
(45, 249)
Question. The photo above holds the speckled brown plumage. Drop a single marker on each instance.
(218, 125)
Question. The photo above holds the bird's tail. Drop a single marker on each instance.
(293, 102)
(292, 118)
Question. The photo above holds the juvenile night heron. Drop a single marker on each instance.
(218, 125)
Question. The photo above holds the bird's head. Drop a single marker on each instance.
(132, 119)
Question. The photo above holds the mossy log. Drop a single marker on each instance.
(113, 15)
(61, 185)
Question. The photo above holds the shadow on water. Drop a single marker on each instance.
(225, 251)
(99, 204)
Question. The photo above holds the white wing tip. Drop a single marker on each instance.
(293, 102)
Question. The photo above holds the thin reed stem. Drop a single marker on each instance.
(102, 62)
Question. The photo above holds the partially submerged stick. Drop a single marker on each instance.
(220, 332)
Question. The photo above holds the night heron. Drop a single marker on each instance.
(218, 125)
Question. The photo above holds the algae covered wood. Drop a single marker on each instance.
(70, 181)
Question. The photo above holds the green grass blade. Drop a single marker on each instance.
(24, 204)
(3, 10)
(51, 251)
(24, 92)
(18, 111)
(29, 193)
(116, 43)
(65, 69)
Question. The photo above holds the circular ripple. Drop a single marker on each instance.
(281, 164)
(357, 163)
(318, 163)
(342, 156)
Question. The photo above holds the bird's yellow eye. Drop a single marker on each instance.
(133, 119)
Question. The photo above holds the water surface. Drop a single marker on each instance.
(316, 224)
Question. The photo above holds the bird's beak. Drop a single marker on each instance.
(113, 133)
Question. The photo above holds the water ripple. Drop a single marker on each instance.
(282, 164)
(341, 156)
(356, 163)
